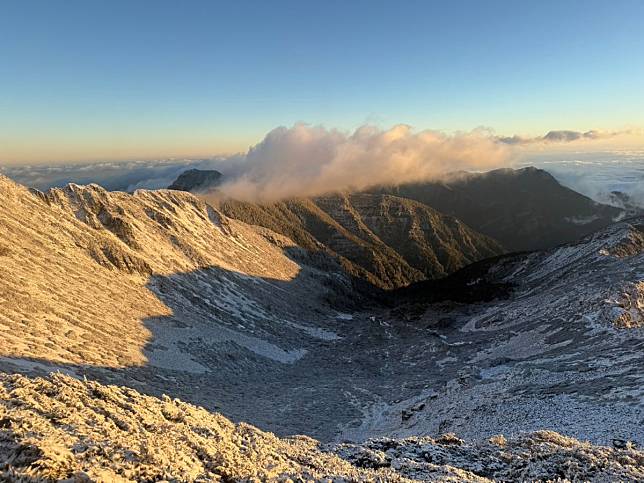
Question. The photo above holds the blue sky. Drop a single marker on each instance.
(89, 80)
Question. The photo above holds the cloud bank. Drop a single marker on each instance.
(603, 175)
(562, 137)
(309, 160)
(305, 160)
(114, 176)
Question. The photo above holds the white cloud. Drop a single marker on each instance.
(307, 160)
(563, 136)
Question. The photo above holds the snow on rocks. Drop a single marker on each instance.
(60, 428)
(539, 456)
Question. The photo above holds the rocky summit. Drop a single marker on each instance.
(197, 180)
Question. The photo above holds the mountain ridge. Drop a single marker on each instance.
(396, 241)
(520, 209)
(523, 209)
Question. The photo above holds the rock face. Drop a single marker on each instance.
(387, 240)
(523, 209)
(197, 180)
(61, 428)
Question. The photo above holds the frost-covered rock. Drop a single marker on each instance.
(61, 428)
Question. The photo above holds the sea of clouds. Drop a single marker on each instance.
(301, 160)
(305, 160)
(596, 174)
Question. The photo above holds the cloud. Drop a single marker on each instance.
(301, 160)
(562, 137)
(115, 176)
(597, 174)
(306, 160)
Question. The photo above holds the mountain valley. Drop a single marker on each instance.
(158, 293)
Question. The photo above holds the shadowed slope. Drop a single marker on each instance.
(386, 240)
(524, 209)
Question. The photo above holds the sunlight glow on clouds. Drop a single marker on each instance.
(305, 160)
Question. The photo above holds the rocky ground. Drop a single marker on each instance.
(562, 350)
(61, 428)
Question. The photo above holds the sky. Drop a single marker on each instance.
(108, 80)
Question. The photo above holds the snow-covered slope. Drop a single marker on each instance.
(562, 351)
(112, 280)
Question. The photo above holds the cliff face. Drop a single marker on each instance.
(389, 241)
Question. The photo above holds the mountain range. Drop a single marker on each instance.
(182, 334)
(391, 236)
(523, 209)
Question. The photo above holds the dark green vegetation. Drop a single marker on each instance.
(386, 240)
(196, 180)
(524, 209)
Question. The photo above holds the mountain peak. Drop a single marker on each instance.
(523, 209)
(197, 180)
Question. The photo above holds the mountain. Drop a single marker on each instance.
(523, 209)
(135, 296)
(196, 180)
(387, 240)
(90, 275)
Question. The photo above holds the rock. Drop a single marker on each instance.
(449, 439)
(619, 443)
(196, 180)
